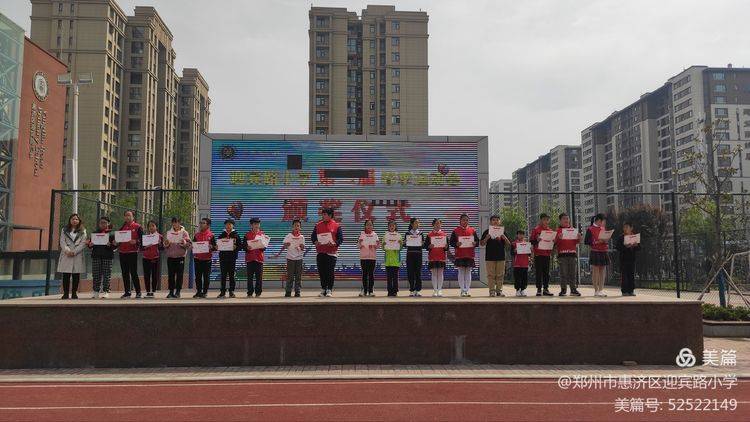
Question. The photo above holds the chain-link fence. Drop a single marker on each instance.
(684, 239)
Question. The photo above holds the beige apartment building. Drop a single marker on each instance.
(128, 117)
(90, 37)
(194, 111)
(368, 73)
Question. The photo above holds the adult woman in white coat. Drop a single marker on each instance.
(71, 263)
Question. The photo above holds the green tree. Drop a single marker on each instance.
(513, 220)
(179, 204)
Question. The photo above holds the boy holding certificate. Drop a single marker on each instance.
(567, 255)
(327, 237)
(494, 241)
(176, 244)
(255, 240)
(598, 258)
(368, 242)
(229, 245)
(464, 240)
(521, 250)
(542, 252)
(294, 243)
(436, 243)
(628, 244)
(392, 244)
(128, 245)
(204, 243)
(151, 245)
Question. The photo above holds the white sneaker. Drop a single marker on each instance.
(329, 293)
(322, 294)
(500, 294)
(440, 293)
(492, 293)
(468, 294)
(523, 293)
(434, 293)
(411, 294)
(362, 293)
(105, 295)
(95, 296)
(518, 293)
(602, 294)
(417, 294)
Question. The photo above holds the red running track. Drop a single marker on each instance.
(365, 400)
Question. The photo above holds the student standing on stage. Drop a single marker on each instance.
(202, 261)
(541, 257)
(294, 243)
(150, 261)
(464, 252)
(368, 245)
(520, 265)
(598, 258)
(392, 259)
(101, 260)
(627, 260)
(128, 252)
(71, 262)
(414, 259)
(436, 257)
(567, 257)
(494, 258)
(328, 251)
(176, 252)
(228, 259)
(254, 259)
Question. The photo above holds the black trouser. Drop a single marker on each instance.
(151, 274)
(66, 283)
(414, 270)
(202, 275)
(368, 274)
(392, 279)
(227, 267)
(541, 264)
(255, 271)
(520, 278)
(628, 276)
(175, 270)
(129, 267)
(326, 270)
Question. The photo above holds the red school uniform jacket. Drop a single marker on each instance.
(330, 226)
(519, 260)
(253, 255)
(459, 232)
(436, 254)
(534, 238)
(565, 246)
(206, 236)
(136, 231)
(151, 253)
(592, 235)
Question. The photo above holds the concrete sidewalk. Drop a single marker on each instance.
(463, 371)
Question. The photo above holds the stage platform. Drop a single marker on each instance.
(46, 332)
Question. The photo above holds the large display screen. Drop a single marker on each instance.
(278, 181)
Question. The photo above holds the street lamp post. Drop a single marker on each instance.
(67, 80)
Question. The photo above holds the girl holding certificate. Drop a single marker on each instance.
(464, 240)
(598, 258)
(294, 243)
(128, 240)
(102, 246)
(204, 243)
(228, 257)
(71, 264)
(437, 245)
(368, 246)
(392, 244)
(176, 243)
(151, 246)
(414, 245)
(327, 237)
(255, 240)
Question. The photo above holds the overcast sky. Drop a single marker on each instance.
(530, 74)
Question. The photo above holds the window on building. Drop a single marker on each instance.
(372, 29)
(134, 124)
(395, 41)
(396, 88)
(139, 32)
(396, 56)
(59, 8)
(134, 108)
(395, 25)
(720, 88)
(59, 43)
(136, 78)
(720, 99)
(718, 76)
(321, 100)
(395, 104)
(136, 47)
(396, 72)
(396, 120)
(136, 61)
(721, 112)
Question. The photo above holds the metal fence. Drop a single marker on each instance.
(158, 205)
(683, 239)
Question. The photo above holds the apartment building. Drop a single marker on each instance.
(128, 116)
(500, 200)
(368, 73)
(194, 112)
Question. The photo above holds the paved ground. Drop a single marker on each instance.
(275, 295)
